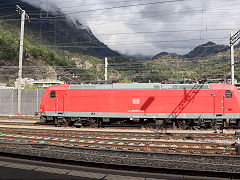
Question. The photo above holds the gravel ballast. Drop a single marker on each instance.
(212, 163)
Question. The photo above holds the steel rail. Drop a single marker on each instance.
(138, 135)
(122, 144)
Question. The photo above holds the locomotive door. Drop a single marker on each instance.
(219, 105)
(228, 106)
(60, 102)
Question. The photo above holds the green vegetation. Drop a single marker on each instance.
(49, 56)
(125, 80)
(8, 46)
(47, 61)
(64, 63)
(34, 87)
(213, 67)
(9, 84)
(172, 67)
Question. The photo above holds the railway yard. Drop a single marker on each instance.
(194, 152)
(86, 93)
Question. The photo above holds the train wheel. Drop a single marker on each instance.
(93, 123)
(183, 123)
(65, 124)
(238, 124)
(57, 122)
(159, 124)
(100, 123)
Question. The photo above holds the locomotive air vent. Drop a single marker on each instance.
(140, 86)
(88, 87)
(185, 86)
(156, 87)
(81, 87)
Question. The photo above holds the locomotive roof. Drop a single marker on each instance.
(136, 86)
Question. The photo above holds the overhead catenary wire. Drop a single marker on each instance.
(113, 44)
(125, 65)
(150, 32)
(141, 5)
(131, 42)
(124, 6)
(199, 10)
(121, 20)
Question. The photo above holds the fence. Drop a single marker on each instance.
(30, 101)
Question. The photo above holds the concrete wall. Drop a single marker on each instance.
(30, 101)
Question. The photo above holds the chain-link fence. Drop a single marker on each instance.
(30, 101)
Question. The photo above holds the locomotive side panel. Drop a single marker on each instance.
(142, 103)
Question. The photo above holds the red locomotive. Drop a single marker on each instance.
(165, 105)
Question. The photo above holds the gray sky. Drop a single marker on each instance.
(149, 27)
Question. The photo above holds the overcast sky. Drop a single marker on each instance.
(149, 27)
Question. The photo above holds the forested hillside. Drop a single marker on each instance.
(58, 48)
(54, 46)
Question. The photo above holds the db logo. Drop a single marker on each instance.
(136, 101)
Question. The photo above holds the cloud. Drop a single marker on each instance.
(150, 29)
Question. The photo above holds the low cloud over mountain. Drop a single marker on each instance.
(148, 27)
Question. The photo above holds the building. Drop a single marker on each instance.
(24, 82)
(46, 82)
(37, 83)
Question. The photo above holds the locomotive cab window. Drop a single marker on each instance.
(53, 94)
(228, 94)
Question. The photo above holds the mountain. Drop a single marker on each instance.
(201, 51)
(208, 61)
(160, 55)
(55, 47)
(206, 50)
(138, 57)
(56, 28)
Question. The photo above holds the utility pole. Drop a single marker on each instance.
(233, 39)
(23, 17)
(106, 68)
(232, 61)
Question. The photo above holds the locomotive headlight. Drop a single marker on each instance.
(42, 112)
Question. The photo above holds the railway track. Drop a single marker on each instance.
(170, 163)
(17, 123)
(31, 118)
(171, 150)
(25, 130)
(134, 141)
(19, 120)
